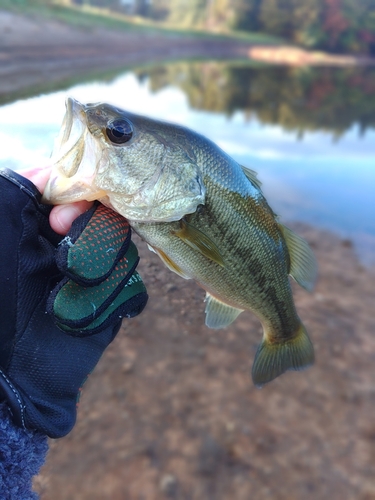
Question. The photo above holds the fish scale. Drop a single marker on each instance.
(201, 212)
(243, 282)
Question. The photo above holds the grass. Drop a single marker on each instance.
(89, 17)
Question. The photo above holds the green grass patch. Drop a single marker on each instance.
(91, 17)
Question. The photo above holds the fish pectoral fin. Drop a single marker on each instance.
(169, 262)
(152, 249)
(274, 358)
(252, 176)
(197, 240)
(303, 266)
(218, 314)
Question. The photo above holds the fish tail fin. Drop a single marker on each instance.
(274, 358)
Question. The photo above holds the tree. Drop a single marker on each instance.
(188, 13)
(299, 99)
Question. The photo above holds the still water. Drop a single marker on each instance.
(311, 142)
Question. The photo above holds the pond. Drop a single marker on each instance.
(309, 133)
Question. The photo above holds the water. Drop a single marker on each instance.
(313, 169)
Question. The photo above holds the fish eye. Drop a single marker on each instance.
(119, 131)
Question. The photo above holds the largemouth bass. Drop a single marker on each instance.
(200, 211)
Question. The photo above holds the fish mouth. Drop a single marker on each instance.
(75, 158)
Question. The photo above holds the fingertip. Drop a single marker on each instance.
(62, 216)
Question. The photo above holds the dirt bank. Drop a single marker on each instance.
(170, 412)
(39, 55)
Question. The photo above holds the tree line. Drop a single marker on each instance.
(298, 99)
(339, 26)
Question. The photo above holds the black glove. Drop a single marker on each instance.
(46, 356)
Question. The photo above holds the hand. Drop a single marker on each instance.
(42, 367)
(61, 216)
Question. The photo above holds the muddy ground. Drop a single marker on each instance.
(170, 412)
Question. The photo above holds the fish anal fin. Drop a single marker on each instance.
(252, 176)
(218, 314)
(303, 266)
(274, 358)
(197, 240)
(170, 263)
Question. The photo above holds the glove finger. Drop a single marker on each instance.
(98, 239)
(129, 303)
(77, 306)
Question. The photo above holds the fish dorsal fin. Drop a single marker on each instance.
(303, 266)
(218, 314)
(197, 240)
(252, 176)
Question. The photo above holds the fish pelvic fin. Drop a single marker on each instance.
(218, 314)
(274, 358)
(303, 266)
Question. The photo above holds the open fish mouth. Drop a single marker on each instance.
(75, 157)
(71, 134)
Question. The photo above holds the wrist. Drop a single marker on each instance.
(11, 396)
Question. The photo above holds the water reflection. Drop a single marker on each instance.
(256, 115)
(297, 98)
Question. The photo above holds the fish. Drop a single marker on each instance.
(204, 215)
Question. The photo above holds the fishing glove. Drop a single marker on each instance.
(61, 303)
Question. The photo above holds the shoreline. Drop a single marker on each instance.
(45, 54)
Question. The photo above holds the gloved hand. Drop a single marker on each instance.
(100, 283)
(88, 280)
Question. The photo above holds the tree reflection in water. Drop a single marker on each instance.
(301, 99)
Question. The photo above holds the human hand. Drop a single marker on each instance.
(41, 366)
(61, 216)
